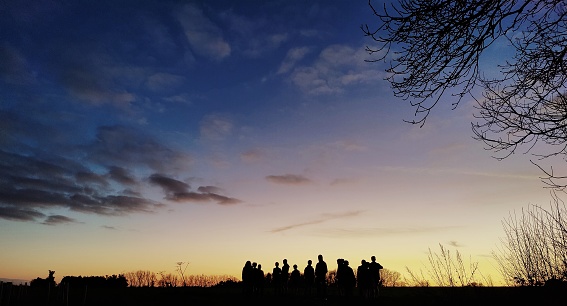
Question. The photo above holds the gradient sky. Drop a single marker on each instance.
(136, 134)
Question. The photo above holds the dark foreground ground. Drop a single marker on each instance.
(233, 296)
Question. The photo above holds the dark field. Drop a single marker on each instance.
(233, 296)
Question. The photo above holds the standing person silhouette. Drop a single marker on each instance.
(285, 276)
(375, 268)
(364, 280)
(321, 277)
(247, 278)
(259, 280)
(339, 277)
(348, 279)
(309, 277)
(294, 280)
(277, 279)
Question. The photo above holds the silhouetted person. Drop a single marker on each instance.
(321, 276)
(339, 277)
(309, 277)
(375, 268)
(363, 279)
(285, 276)
(277, 279)
(268, 279)
(348, 279)
(253, 277)
(259, 281)
(247, 277)
(294, 280)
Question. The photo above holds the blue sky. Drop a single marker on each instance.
(253, 130)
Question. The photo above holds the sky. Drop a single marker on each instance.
(138, 134)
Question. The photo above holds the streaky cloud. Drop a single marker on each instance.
(121, 175)
(169, 185)
(288, 179)
(380, 231)
(58, 219)
(209, 189)
(19, 214)
(455, 243)
(323, 218)
(205, 37)
(128, 147)
(178, 191)
(201, 197)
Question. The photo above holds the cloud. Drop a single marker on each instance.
(205, 37)
(293, 56)
(181, 98)
(88, 90)
(112, 205)
(321, 219)
(169, 185)
(289, 179)
(454, 243)
(178, 191)
(202, 197)
(133, 148)
(380, 232)
(216, 127)
(337, 68)
(121, 175)
(89, 178)
(253, 37)
(343, 181)
(164, 81)
(18, 214)
(209, 189)
(253, 155)
(58, 219)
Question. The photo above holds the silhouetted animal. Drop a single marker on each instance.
(48, 282)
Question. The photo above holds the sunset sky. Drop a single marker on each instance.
(137, 134)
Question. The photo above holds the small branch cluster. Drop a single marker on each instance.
(534, 250)
(447, 270)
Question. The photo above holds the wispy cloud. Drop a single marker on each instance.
(253, 36)
(288, 179)
(178, 191)
(216, 127)
(205, 37)
(252, 155)
(164, 81)
(455, 243)
(380, 231)
(19, 214)
(293, 56)
(457, 171)
(343, 181)
(337, 68)
(58, 219)
(321, 219)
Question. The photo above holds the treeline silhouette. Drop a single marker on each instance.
(80, 290)
(145, 278)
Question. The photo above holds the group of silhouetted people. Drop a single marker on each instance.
(314, 279)
(367, 278)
